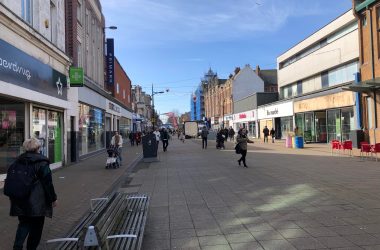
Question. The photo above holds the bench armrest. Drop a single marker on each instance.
(118, 236)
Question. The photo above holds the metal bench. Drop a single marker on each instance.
(117, 222)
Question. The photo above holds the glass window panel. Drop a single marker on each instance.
(12, 128)
(334, 125)
(309, 131)
(300, 123)
(348, 122)
(320, 126)
(39, 128)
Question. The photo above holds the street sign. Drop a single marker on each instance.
(76, 77)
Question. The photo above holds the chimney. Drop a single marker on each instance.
(258, 70)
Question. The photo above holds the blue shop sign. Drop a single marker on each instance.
(21, 69)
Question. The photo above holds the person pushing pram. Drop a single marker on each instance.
(116, 145)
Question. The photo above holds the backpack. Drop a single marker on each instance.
(21, 177)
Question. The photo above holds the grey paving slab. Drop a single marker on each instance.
(246, 246)
(277, 245)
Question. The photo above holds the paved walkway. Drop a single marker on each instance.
(75, 186)
(286, 199)
(202, 199)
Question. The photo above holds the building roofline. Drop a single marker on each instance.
(350, 10)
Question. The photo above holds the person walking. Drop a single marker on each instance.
(242, 139)
(158, 135)
(132, 138)
(137, 138)
(204, 134)
(40, 199)
(165, 139)
(266, 134)
(231, 133)
(273, 134)
(117, 143)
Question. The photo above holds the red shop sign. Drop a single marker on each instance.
(242, 116)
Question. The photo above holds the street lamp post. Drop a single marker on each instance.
(154, 116)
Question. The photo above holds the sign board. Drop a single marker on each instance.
(246, 116)
(76, 77)
(276, 110)
(19, 68)
(110, 62)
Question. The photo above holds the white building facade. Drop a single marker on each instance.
(35, 100)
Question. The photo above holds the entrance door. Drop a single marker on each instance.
(320, 126)
(309, 132)
(54, 136)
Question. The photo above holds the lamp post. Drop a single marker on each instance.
(155, 93)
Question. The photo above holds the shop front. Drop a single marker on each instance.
(33, 103)
(278, 116)
(326, 118)
(247, 120)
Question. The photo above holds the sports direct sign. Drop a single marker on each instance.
(246, 116)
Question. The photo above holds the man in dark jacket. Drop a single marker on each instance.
(204, 134)
(32, 210)
(165, 139)
(266, 133)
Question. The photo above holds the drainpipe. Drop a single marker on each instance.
(373, 68)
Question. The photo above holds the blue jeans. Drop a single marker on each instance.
(30, 227)
(119, 152)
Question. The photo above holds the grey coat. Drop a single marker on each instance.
(242, 141)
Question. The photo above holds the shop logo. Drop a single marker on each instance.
(13, 66)
(272, 112)
(242, 116)
(59, 86)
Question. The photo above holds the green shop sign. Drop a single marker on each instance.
(76, 77)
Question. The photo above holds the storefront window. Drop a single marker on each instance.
(334, 125)
(300, 123)
(252, 129)
(348, 122)
(91, 129)
(286, 126)
(125, 126)
(309, 133)
(12, 132)
(39, 128)
(320, 126)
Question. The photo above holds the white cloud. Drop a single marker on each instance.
(161, 21)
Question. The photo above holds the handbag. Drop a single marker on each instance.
(237, 149)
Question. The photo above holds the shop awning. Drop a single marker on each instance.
(364, 86)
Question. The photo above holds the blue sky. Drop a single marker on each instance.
(172, 43)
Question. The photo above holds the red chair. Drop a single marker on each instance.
(366, 148)
(375, 149)
(335, 144)
(347, 145)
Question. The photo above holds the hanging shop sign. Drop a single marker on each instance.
(76, 77)
(110, 63)
(19, 68)
(276, 110)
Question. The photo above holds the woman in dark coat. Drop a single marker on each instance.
(242, 140)
(32, 210)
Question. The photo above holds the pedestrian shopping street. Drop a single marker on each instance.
(201, 199)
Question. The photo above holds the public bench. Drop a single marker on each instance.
(116, 222)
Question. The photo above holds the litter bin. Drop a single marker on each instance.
(149, 147)
(298, 141)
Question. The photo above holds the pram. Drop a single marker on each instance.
(113, 158)
(220, 141)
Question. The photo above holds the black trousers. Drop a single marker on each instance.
(165, 144)
(204, 142)
(30, 227)
(243, 155)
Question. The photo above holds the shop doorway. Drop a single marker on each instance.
(320, 126)
(47, 128)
